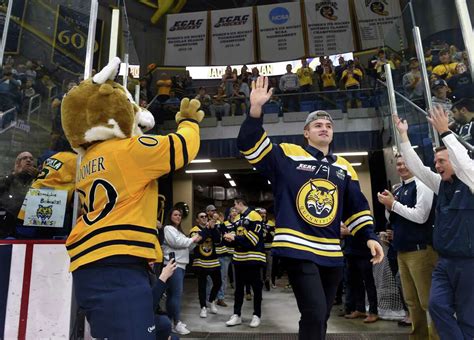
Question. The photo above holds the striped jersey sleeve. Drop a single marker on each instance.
(356, 214)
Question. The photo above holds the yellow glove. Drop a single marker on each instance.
(189, 110)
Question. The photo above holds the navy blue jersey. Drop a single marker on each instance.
(313, 195)
(248, 243)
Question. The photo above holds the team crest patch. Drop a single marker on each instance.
(317, 202)
(206, 247)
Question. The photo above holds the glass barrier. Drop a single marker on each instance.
(44, 57)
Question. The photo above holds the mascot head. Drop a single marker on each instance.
(99, 109)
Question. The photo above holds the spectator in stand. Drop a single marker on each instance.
(27, 93)
(396, 61)
(219, 106)
(204, 99)
(289, 86)
(379, 64)
(340, 68)
(358, 65)
(30, 72)
(10, 95)
(228, 80)
(428, 59)
(238, 101)
(163, 86)
(305, 76)
(319, 71)
(254, 75)
(463, 114)
(461, 83)
(456, 55)
(412, 82)
(465, 58)
(360, 278)
(179, 86)
(145, 92)
(244, 74)
(411, 215)
(176, 242)
(440, 90)
(446, 69)
(351, 78)
(171, 106)
(13, 189)
(328, 79)
(188, 84)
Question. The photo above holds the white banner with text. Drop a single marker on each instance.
(329, 27)
(186, 39)
(232, 36)
(280, 32)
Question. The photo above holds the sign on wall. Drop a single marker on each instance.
(186, 39)
(379, 21)
(232, 36)
(15, 28)
(280, 32)
(329, 27)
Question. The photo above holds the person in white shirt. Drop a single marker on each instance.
(176, 242)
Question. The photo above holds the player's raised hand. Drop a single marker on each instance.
(400, 124)
(259, 96)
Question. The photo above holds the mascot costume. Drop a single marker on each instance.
(115, 237)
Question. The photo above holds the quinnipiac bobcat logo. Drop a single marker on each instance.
(44, 213)
(377, 6)
(317, 202)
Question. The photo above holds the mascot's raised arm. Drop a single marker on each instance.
(116, 236)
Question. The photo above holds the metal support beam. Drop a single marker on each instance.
(466, 29)
(114, 32)
(392, 102)
(91, 39)
(3, 42)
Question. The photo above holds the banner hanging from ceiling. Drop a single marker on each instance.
(186, 39)
(328, 24)
(280, 32)
(232, 36)
(380, 23)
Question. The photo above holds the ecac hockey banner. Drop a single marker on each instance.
(232, 36)
(379, 23)
(186, 39)
(280, 32)
(329, 27)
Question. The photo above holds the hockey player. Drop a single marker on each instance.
(314, 191)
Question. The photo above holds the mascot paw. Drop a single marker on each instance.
(189, 110)
(145, 119)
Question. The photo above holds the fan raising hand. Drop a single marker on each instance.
(259, 96)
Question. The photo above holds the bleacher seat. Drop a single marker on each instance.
(336, 114)
(271, 118)
(271, 108)
(306, 106)
(295, 116)
(208, 122)
(232, 120)
(361, 113)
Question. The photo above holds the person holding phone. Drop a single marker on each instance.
(176, 245)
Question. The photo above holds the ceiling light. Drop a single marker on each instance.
(415, 146)
(254, 169)
(227, 176)
(269, 182)
(356, 164)
(232, 183)
(201, 171)
(201, 161)
(358, 153)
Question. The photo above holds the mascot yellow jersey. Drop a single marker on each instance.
(118, 191)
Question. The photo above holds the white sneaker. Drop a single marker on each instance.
(203, 313)
(181, 329)
(213, 307)
(234, 320)
(255, 321)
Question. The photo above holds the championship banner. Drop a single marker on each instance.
(329, 27)
(378, 20)
(280, 32)
(15, 28)
(232, 36)
(186, 39)
(70, 40)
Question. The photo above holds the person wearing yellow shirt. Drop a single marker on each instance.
(305, 76)
(328, 79)
(446, 69)
(351, 78)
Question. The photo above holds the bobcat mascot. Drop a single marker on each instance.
(115, 237)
